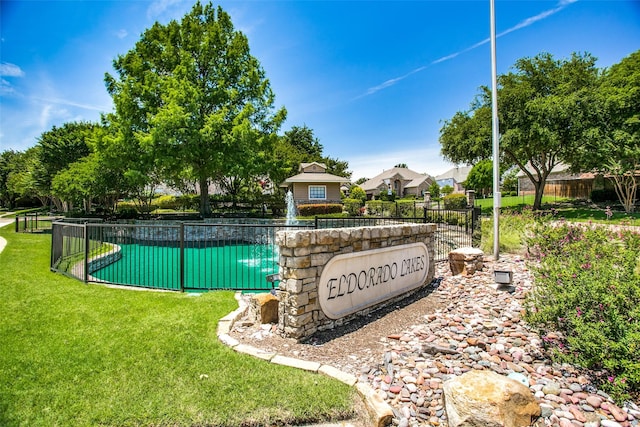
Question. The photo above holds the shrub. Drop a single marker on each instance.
(188, 202)
(455, 201)
(604, 195)
(446, 190)
(587, 287)
(386, 197)
(353, 206)
(406, 208)
(126, 210)
(319, 209)
(513, 225)
(358, 193)
(166, 202)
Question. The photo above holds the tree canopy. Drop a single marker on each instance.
(190, 96)
(544, 110)
(480, 178)
(612, 144)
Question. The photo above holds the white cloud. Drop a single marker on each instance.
(10, 70)
(122, 33)
(59, 101)
(158, 8)
(5, 87)
(523, 24)
(45, 115)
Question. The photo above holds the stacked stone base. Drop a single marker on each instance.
(466, 261)
(303, 255)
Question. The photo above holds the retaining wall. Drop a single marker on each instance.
(406, 250)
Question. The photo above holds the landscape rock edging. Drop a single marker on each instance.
(379, 411)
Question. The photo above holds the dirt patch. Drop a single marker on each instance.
(350, 347)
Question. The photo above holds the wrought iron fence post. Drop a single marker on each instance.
(182, 257)
(86, 253)
(466, 220)
(17, 223)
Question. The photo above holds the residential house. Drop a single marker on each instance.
(560, 183)
(454, 177)
(403, 181)
(314, 185)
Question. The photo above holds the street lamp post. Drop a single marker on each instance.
(495, 137)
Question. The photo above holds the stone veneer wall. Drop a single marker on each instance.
(303, 255)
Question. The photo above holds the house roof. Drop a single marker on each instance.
(405, 174)
(458, 173)
(559, 168)
(306, 165)
(315, 177)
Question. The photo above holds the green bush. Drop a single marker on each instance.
(455, 201)
(603, 195)
(126, 210)
(587, 287)
(406, 208)
(166, 202)
(319, 209)
(353, 206)
(188, 202)
(513, 224)
(381, 208)
(358, 193)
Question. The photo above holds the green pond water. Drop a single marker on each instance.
(243, 267)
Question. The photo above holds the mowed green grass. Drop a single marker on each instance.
(86, 355)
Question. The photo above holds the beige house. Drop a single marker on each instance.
(402, 181)
(314, 185)
(560, 183)
(454, 177)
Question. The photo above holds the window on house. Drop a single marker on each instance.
(317, 192)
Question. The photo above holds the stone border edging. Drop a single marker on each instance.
(377, 408)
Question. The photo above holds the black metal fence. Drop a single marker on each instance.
(456, 228)
(238, 254)
(34, 222)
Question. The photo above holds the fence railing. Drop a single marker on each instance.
(34, 222)
(179, 257)
(456, 228)
(238, 254)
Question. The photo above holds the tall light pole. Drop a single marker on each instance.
(495, 137)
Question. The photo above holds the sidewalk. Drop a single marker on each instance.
(4, 222)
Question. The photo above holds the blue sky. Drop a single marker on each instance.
(374, 80)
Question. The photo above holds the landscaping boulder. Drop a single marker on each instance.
(485, 398)
(264, 308)
(466, 261)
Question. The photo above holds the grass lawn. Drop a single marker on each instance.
(570, 213)
(515, 202)
(84, 355)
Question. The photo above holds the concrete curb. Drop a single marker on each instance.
(3, 241)
(377, 408)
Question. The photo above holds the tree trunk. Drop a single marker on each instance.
(537, 200)
(205, 207)
(626, 188)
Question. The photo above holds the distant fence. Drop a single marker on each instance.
(238, 254)
(34, 222)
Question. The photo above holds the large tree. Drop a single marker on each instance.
(480, 178)
(57, 149)
(544, 109)
(24, 177)
(612, 146)
(191, 93)
(9, 161)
